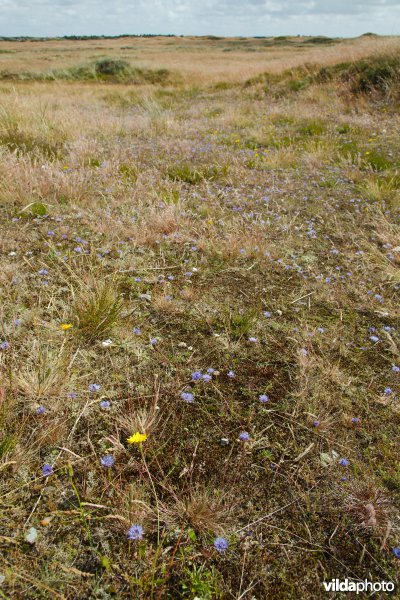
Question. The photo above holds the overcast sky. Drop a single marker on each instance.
(199, 17)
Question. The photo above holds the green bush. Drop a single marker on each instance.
(112, 68)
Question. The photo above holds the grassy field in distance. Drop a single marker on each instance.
(200, 336)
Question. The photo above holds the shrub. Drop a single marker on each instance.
(112, 68)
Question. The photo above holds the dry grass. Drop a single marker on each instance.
(247, 231)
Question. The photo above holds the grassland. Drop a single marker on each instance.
(200, 243)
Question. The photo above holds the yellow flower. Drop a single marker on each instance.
(65, 326)
(137, 438)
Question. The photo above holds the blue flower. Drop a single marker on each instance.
(210, 370)
(135, 533)
(344, 462)
(267, 314)
(231, 374)
(263, 398)
(136, 331)
(4, 345)
(72, 395)
(206, 377)
(374, 338)
(387, 391)
(244, 436)
(41, 410)
(187, 397)
(196, 376)
(47, 470)
(355, 420)
(105, 404)
(395, 369)
(94, 387)
(396, 552)
(316, 423)
(221, 544)
(43, 272)
(253, 339)
(107, 461)
(153, 341)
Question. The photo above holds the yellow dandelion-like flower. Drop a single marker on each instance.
(66, 326)
(137, 438)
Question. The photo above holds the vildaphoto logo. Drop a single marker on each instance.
(347, 585)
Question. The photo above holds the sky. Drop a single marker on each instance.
(336, 18)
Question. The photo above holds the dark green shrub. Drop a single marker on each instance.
(112, 68)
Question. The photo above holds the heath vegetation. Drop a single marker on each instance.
(200, 337)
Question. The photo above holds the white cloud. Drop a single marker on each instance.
(191, 17)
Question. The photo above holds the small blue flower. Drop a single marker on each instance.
(396, 552)
(263, 398)
(387, 391)
(153, 341)
(344, 462)
(136, 331)
(43, 272)
(244, 436)
(196, 376)
(355, 420)
(231, 374)
(221, 544)
(94, 387)
(206, 377)
(72, 395)
(47, 470)
(4, 345)
(107, 461)
(41, 410)
(267, 314)
(135, 533)
(253, 339)
(316, 423)
(374, 338)
(187, 397)
(395, 369)
(210, 370)
(105, 404)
